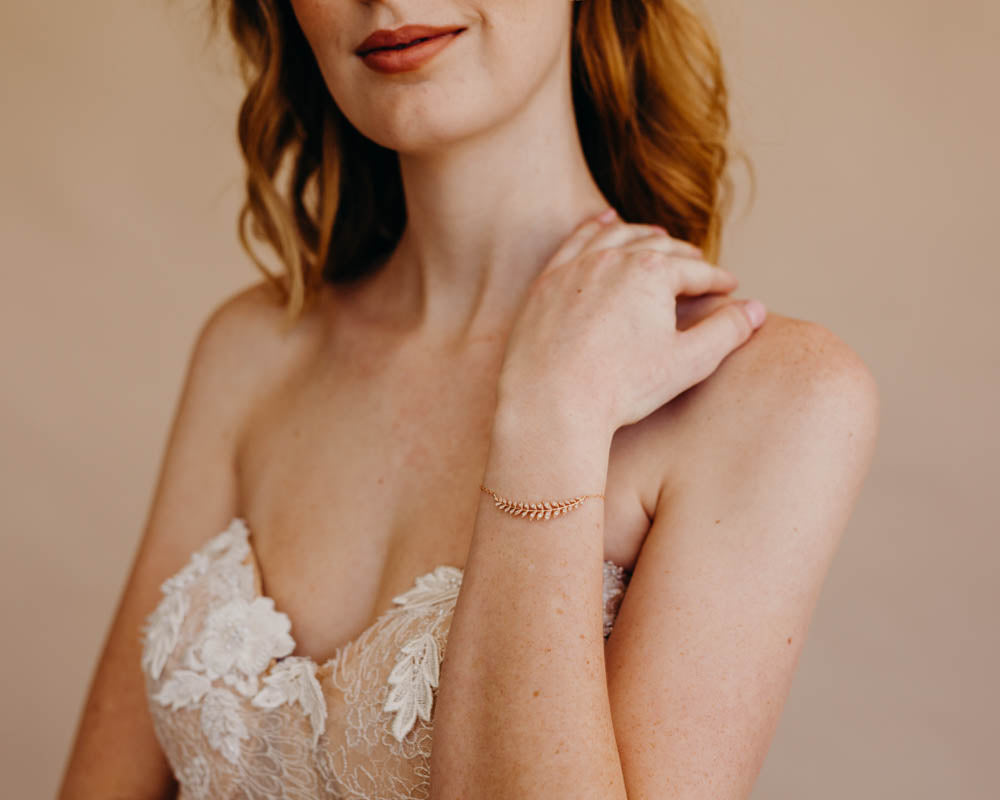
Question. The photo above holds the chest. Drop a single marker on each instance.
(353, 485)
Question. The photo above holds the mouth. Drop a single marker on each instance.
(402, 38)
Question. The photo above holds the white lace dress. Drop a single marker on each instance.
(238, 717)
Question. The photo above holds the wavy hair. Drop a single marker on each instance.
(651, 106)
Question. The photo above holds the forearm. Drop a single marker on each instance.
(522, 710)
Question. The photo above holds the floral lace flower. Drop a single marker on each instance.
(237, 641)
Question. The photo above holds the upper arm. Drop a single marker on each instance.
(115, 752)
(708, 635)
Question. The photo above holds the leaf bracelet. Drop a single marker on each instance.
(543, 509)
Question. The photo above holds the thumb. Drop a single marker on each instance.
(710, 340)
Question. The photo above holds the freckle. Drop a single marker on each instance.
(718, 521)
(789, 639)
(559, 611)
(548, 649)
(582, 636)
(535, 693)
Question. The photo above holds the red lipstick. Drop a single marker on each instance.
(405, 48)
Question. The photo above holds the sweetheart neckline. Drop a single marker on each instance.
(326, 664)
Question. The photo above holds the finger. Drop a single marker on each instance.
(578, 238)
(680, 244)
(692, 276)
(631, 234)
(706, 343)
(665, 244)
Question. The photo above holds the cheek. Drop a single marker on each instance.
(318, 21)
(523, 42)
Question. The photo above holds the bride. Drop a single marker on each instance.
(496, 454)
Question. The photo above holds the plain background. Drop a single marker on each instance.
(873, 127)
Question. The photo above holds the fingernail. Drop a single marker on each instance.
(756, 311)
(607, 215)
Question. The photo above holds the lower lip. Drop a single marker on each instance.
(408, 58)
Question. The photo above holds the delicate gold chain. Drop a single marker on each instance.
(544, 509)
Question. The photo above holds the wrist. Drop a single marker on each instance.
(546, 452)
(544, 408)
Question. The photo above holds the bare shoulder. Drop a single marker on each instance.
(245, 343)
(792, 382)
(251, 320)
(788, 361)
(767, 456)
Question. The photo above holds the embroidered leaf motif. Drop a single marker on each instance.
(434, 587)
(414, 675)
(161, 631)
(194, 569)
(294, 681)
(222, 724)
(230, 545)
(183, 688)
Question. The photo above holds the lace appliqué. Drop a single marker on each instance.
(294, 681)
(238, 639)
(616, 581)
(418, 667)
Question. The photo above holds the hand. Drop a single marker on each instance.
(598, 334)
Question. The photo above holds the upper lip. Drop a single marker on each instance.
(407, 33)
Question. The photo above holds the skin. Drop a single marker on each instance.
(354, 446)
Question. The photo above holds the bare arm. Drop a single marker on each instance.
(115, 753)
(708, 635)
(710, 631)
(523, 705)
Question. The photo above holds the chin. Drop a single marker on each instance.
(423, 122)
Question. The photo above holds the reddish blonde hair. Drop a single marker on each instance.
(651, 108)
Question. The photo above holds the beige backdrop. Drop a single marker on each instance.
(874, 128)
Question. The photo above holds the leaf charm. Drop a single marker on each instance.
(412, 679)
(542, 510)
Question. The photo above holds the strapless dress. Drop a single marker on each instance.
(239, 717)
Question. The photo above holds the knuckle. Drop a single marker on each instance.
(606, 257)
(650, 258)
(650, 264)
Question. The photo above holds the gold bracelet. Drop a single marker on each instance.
(540, 510)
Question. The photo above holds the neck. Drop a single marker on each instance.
(484, 214)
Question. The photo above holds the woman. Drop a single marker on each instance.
(520, 473)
